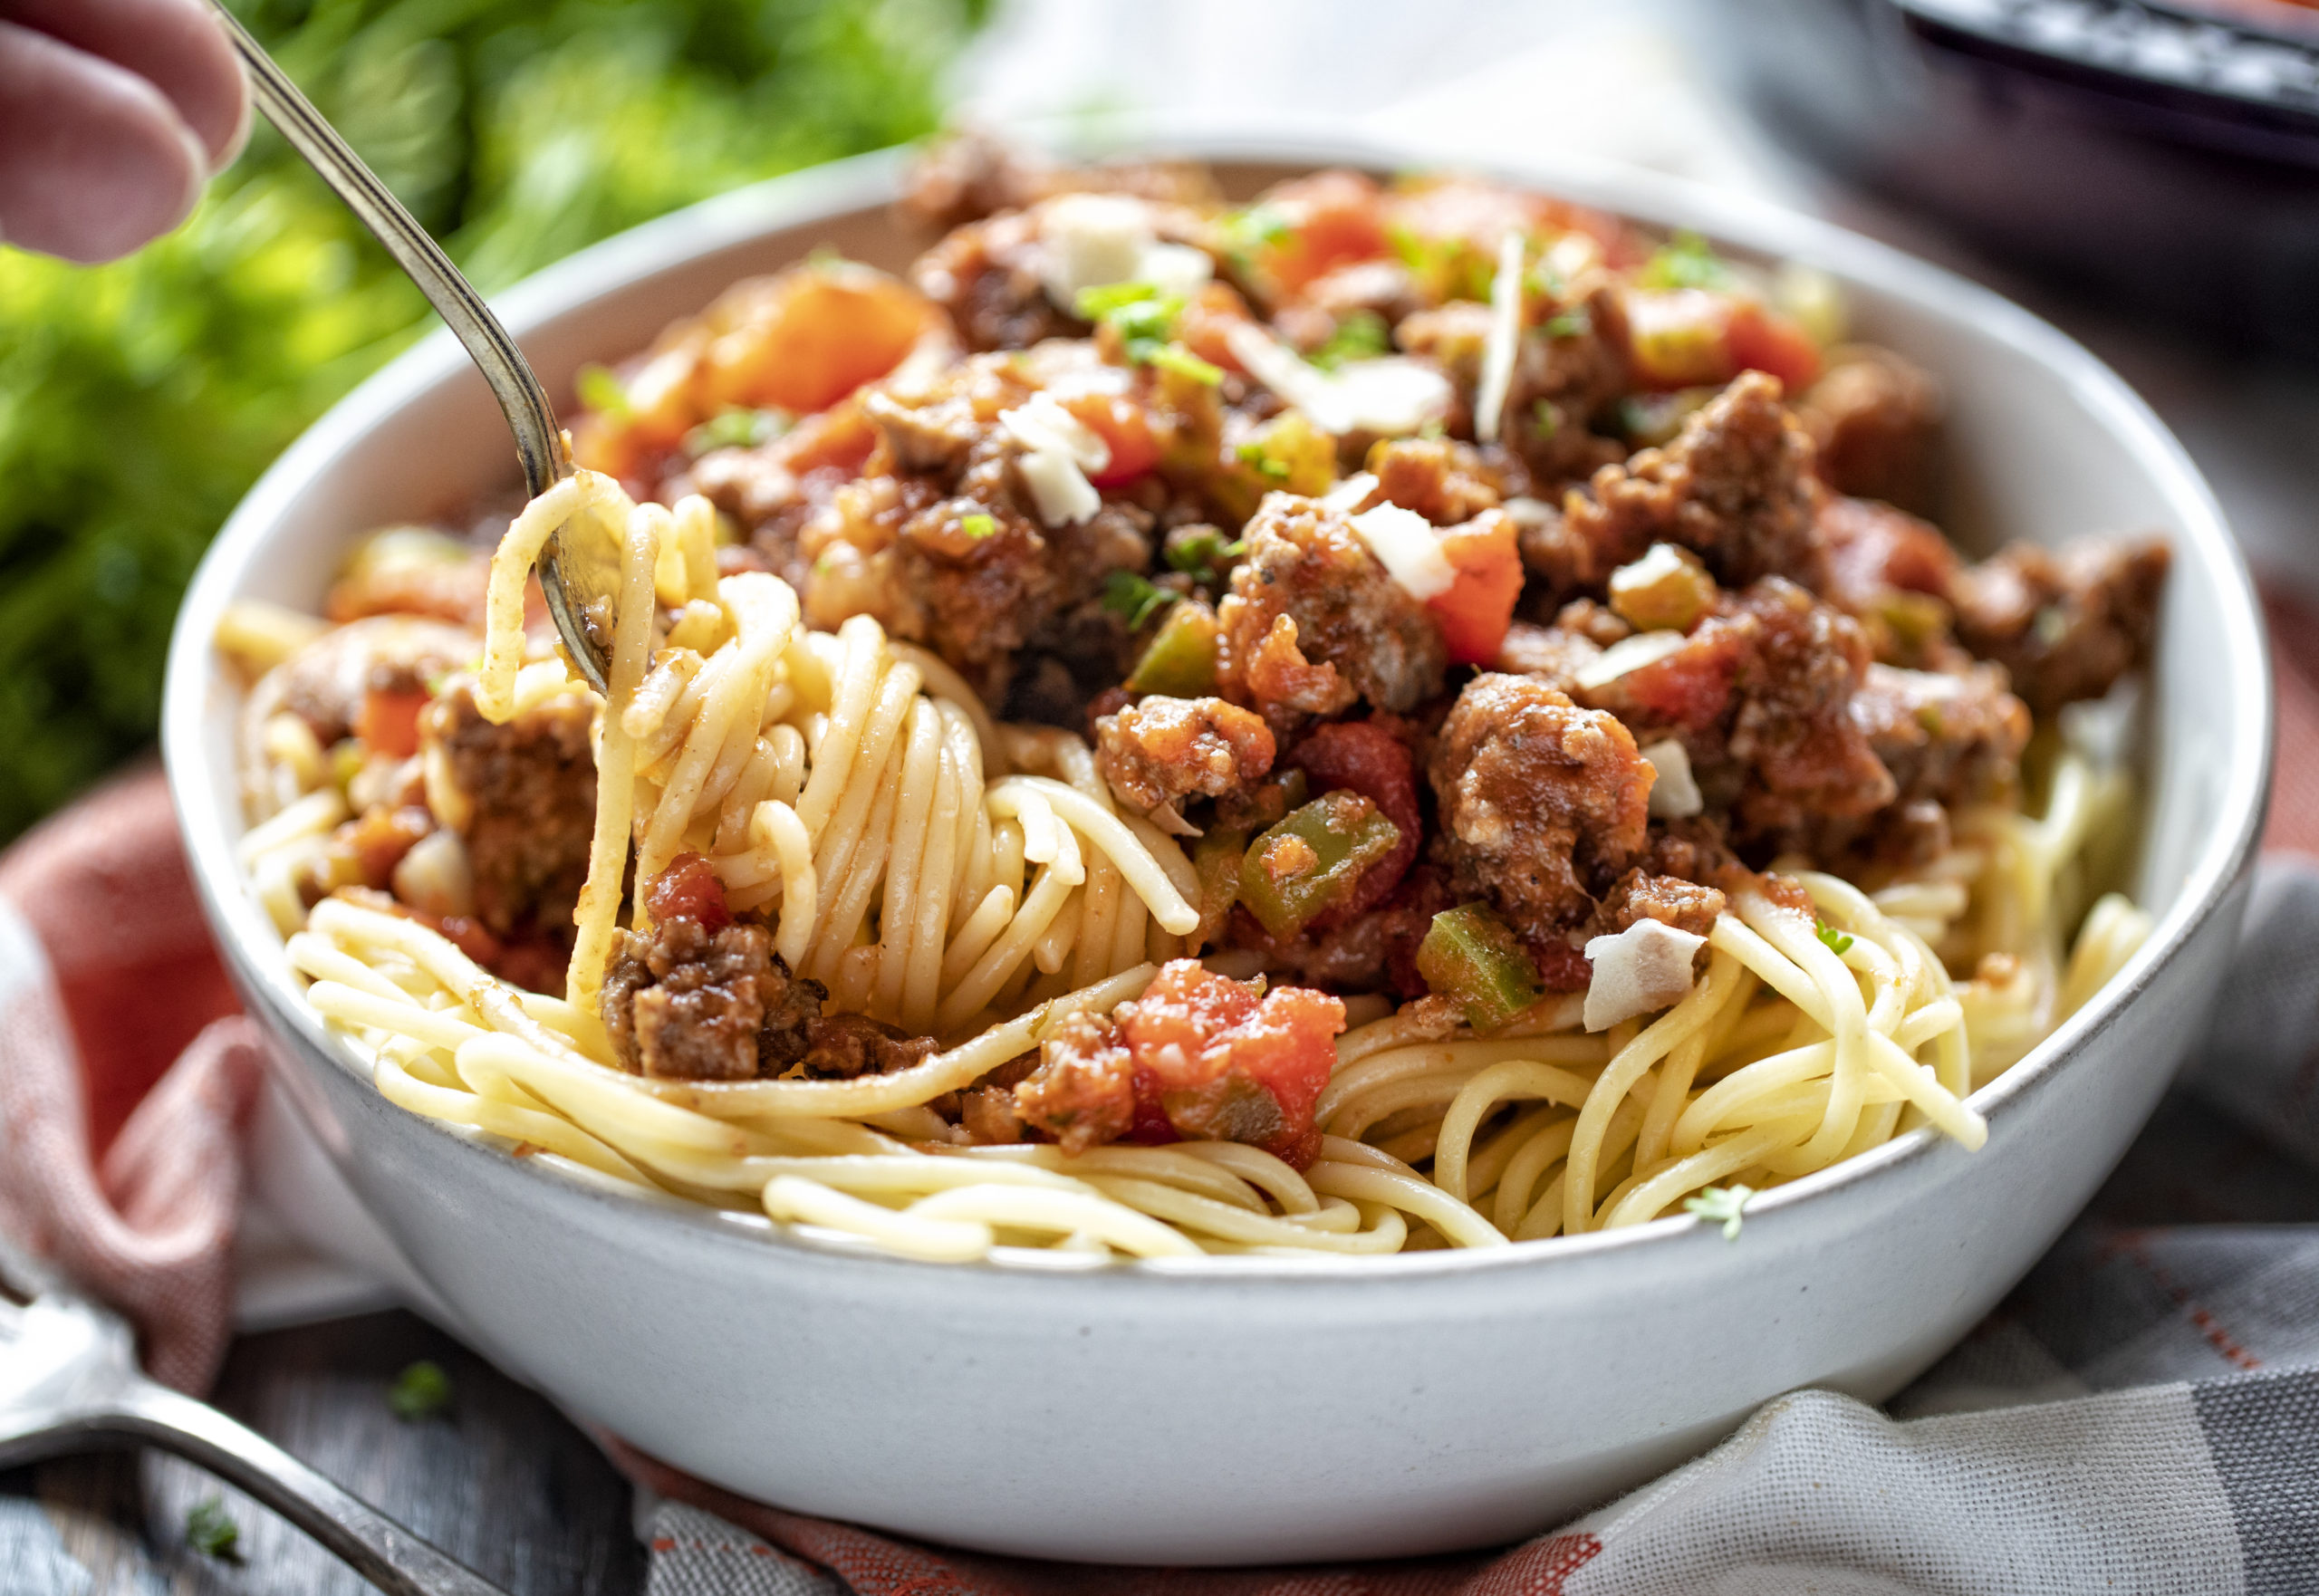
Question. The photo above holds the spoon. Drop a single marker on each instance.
(580, 575)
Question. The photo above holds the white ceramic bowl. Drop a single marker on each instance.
(1224, 1410)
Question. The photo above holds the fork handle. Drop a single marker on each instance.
(374, 1545)
(538, 442)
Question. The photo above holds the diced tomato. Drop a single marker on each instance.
(1122, 425)
(1362, 756)
(805, 338)
(690, 890)
(1289, 1047)
(1699, 337)
(377, 841)
(1561, 966)
(1202, 327)
(1217, 1060)
(1691, 687)
(1476, 611)
(1325, 221)
(1761, 340)
(388, 722)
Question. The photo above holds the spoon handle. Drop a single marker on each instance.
(538, 442)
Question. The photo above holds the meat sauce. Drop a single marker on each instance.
(1691, 526)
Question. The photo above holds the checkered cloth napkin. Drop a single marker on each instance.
(2143, 1414)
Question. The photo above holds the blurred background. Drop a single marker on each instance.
(2145, 173)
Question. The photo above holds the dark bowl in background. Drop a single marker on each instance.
(2162, 157)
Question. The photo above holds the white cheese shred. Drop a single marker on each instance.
(1391, 396)
(1404, 543)
(1645, 967)
(1504, 340)
(1058, 451)
(1674, 793)
(1645, 648)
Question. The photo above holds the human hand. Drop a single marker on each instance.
(113, 114)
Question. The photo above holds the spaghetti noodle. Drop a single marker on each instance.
(865, 830)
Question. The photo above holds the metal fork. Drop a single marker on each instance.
(69, 1383)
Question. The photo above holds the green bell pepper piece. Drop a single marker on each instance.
(1474, 959)
(1180, 660)
(1312, 860)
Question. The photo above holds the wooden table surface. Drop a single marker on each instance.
(502, 1480)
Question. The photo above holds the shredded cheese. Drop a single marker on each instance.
(1645, 648)
(1503, 342)
(1674, 794)
(1391, 396)
(1405, 546)
(1350, 492)
(1058, 451)
(1089, 240)
(1094, 240)
(1644, 967)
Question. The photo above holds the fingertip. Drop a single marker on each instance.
(100, 163)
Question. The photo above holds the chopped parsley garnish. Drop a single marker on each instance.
(1684, 262)
(1721, 1204)
(1176, 358)
(1252, 455)
(978, 525)
(1203, 555)
(737, 428)
(211, 1530)
(1838, 942)
(1098, 302)
(1361, 335)
(1546, 417)
(1133, 599)
(419, 1392)
(1258, 227)
(1569, 323)
(1145, 320)
(1143, 317)
(601, 392)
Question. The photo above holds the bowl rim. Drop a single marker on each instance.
(802, 197)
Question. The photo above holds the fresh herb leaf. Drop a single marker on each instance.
(1720, 1204)
(1546, 417)
(1104, 299)
(211, 1531)
(1361, 335)
(1686, 261)
(1133, 599)
(1176, 358)
(1143, 317)
(1252, 455)
(978, 525)
(739, 429)
(1203, 555)
(1569, 323)
(420, 1391)
(1838, 942)
(601, 392)
(1260, 226)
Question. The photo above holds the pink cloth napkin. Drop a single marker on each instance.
(127, 1074)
